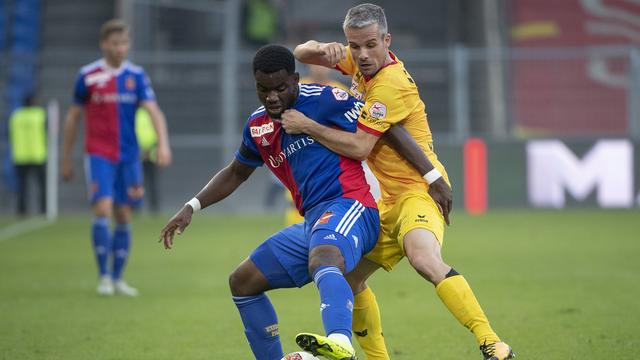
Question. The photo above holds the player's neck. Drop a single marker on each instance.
(113, 64)
(388, 60)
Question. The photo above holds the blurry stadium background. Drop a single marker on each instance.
(533, 104)
(506, 72)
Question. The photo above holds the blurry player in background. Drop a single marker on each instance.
(414, 206)
(109, 91)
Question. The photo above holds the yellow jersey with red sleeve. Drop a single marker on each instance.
(391, 97)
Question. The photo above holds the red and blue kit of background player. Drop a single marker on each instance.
(110, 98)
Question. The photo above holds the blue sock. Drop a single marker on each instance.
(101, 243)
(121, 243)
(260, 326)
(336, 300)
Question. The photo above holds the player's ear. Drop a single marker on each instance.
(387, 39)
(296, 77)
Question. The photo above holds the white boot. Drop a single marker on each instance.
(105, 286)
(122, 288)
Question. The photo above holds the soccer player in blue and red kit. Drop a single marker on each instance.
(341, 219)
(109, 91)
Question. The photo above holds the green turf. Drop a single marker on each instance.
(556, 285)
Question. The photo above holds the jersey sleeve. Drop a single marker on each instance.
(347, 66)
(248, 153)
(340, 109)
(80, 90)
(145, 90)
(383, 108)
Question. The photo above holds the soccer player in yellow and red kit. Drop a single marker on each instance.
(412, 214)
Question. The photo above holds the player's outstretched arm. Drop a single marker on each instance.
(317, 53)
(406, 146)
(223, 184)
(160, 125)
(68, 140)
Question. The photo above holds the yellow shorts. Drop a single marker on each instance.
(411, 211)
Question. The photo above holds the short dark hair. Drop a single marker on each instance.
(272, 58)
(363, 15)
(112, 26)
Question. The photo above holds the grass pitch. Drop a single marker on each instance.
(555, 285)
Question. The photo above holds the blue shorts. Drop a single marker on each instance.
(120, 181)
(345, 223)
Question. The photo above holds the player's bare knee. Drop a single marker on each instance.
(240, 283)
(103, 207)
(325, 255)
(236, 285)
(246, 280)
(122, 215)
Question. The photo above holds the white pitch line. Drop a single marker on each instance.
(23, 227)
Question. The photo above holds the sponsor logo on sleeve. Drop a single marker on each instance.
(340, 94)
(378, 110)
(258, 131)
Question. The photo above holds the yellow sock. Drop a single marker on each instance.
(458, 297)
(367, 327)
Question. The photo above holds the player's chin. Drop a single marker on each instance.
(275, 114)
(369, 70)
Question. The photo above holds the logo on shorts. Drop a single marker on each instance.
(324, 218)
(355, 239)
(265, 142)
(422, 218)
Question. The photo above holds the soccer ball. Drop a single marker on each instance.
(299, 355)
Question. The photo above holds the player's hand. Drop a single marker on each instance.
(67, 170)
(176, 224)
(294, 122)
(164, 156)
(441, 193)
(333, 52)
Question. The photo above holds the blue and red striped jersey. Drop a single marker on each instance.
(110, 98)
(312, 173)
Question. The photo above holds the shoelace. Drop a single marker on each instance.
(488, 349)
